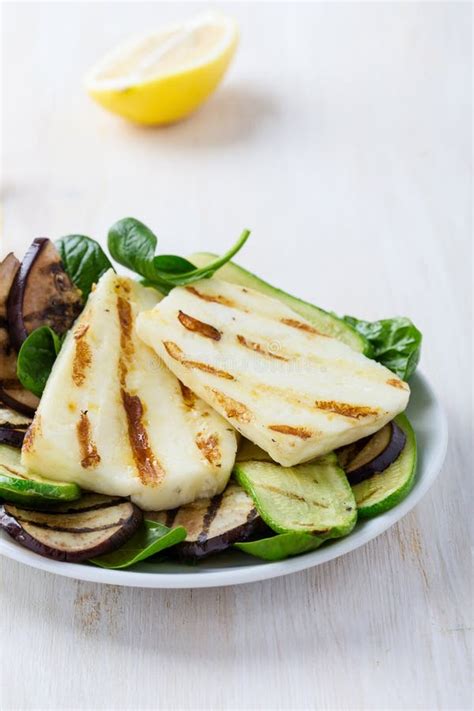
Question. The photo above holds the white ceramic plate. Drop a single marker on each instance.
(429, 422)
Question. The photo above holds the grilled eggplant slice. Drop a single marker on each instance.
(19, 485)
(8, 270)
(13, 420)
(313, 498)
(213, 525)
(75, 534)
(292, 390)
(376, 454)
(42, 294)
(384, 490)
(11, 391)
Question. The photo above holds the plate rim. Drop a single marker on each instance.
(261, 570)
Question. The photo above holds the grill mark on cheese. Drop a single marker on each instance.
(209, 446)
(259, 348)
(90, 457)
(356, 412)
(396, 383)
(292, 495)
(82, 360)
(211, 298)
(31, 433)
(189, 398)
(302, 432)
(148, 466)
(232, 408)
(196, 326)
(301, 326)
(175, 352)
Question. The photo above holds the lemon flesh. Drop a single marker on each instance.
(162, 77)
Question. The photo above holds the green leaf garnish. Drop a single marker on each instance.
(84, 260)
(150, 539)
(396, 343)
(36, 358)
(133, 244)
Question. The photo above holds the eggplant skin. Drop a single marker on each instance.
(127, 527)
(26, 406)
(41, 294)
(383, 460)
(196, 550)
(12, 437)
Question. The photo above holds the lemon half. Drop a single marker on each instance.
(162, 77)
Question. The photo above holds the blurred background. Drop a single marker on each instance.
(340, 136)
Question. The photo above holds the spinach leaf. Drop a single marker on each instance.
(281, 546)
(150, 539)
(84, 260)
(36, 358)
(133, 244)
(396, 343)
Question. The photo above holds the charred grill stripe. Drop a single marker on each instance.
(232, 408)
(209, 517)
(211, 298)
(170, 517)
(368, 496)
(188, 396)
(90, 457)
(253, 513)
(54, 314)
(209, 446)
(292, 495)
(258, 348)
(15, 472)
(174, 351)
(301, 326)
(196, 326)
(149, 469)
(302, 432)
(72, 529)
(82, 362)
(396, 383)
(345, 409)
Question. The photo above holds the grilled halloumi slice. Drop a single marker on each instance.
(292, 391)
(115, 420)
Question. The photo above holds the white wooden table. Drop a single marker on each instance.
(341, 136)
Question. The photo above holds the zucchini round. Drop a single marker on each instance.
(20, 486)
(384, 490)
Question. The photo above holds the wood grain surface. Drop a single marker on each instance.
(342, 137)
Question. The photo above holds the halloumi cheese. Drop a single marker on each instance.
(116, 421)
(294, 392)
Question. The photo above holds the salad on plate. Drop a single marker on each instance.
(189, 408)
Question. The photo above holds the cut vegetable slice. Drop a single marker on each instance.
(323, 321)
(281, 546)
(16, 397)
(213, 525)
(42, 294)
(8, 270)
(12, 437)
(74, 535)
(376, 454)
(312, 498)
(150, 539)
(383, 491)
(14, 420)
(23, 487)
